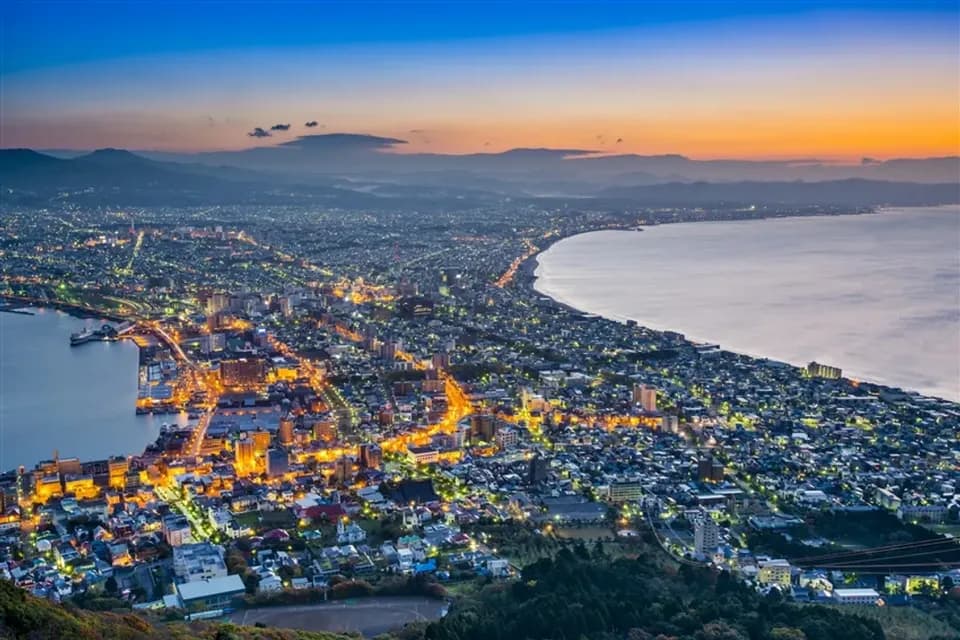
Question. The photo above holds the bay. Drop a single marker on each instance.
(79, 401)
(877, 294)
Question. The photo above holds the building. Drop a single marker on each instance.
(706, 536)
(217, 303)
(856, 596)
(483, 427)
(245, 454)
(343, 470)
(117, 468)
(351, 533)
(278, 462)
(198, 561)
(624, 491)
(646, 397)
(176, 530)
(506, 438)
(210, 594)
(670, 423)
(817, 370)
(213, 342)
(242, 372)
(285, 431)
(441, 360)
(323, 429)
(423, 455)
(774, 572)
(537, 470)
(371, 456)
(709, 469)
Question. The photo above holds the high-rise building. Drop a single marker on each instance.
(669, 423)
(242, 372)
(285, 432)
(212, 342)
(441, 360)
(537, 470)
(646, 397)
(261, 441)
(278, 462)
(706, 536)
(343, 470)
(244, 456)
(217, 302)
(506, 438)
(117, 470)
(483, 426)
(371, 456)
(324, 430)
(709, 469)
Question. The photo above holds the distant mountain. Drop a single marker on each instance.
(118, 177)
(534, 170)
(357, 171)
(852, 192)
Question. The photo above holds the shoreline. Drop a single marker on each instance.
(78, 313)
(527, 278)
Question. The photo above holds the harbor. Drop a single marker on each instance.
(106, 333)
(78, 400)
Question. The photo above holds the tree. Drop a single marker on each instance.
(787, 633)
(111, 586)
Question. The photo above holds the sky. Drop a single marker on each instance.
(794, 79)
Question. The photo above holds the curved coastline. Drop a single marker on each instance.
(529, 274)
(115, 420)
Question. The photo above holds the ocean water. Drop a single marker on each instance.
(79, 401)
(878, 295)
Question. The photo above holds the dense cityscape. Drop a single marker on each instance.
(467, 320)
(376, 395)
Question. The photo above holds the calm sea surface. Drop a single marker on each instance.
(878, 295)
(78, 400)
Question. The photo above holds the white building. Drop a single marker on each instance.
(706, 536)
(176, 530)
(200, 561)
(856, 596)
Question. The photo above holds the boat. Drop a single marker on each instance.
(82, 337)
(105, 332)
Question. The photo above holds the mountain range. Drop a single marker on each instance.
(349, 170)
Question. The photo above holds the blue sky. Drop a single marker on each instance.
(201, 74)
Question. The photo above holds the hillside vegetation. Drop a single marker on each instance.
(25, 617)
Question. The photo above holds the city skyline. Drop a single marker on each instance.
(834, 81)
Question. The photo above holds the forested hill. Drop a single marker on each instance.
(578, 595)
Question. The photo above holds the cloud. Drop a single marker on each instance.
(280, 127)
(311, 124)
(259, 132)
(869, 161)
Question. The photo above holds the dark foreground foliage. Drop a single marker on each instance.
(574, 596)
(24, 617)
